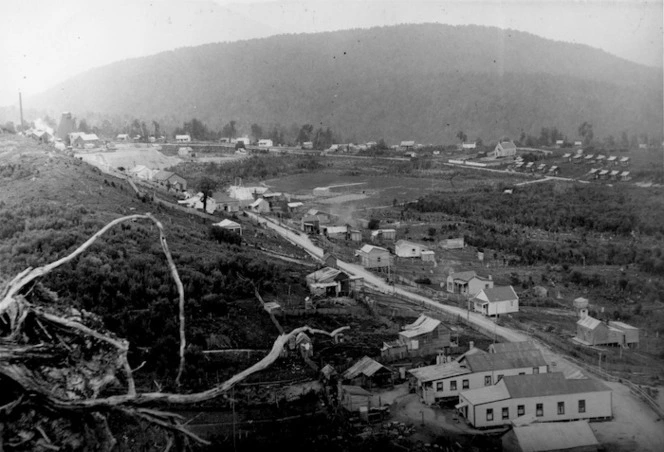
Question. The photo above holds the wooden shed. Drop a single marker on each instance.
(630, 333)
(590, 331)
(371, 256)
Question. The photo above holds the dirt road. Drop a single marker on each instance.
(635, 426)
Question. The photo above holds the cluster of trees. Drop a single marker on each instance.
(514, 224)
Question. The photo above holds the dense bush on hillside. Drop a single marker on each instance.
(381, 82)
(124, 278)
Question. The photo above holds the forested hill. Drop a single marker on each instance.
(420, 82)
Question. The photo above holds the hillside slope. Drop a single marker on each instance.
(422, 82)
(51, 203)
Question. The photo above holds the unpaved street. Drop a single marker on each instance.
(635, 425)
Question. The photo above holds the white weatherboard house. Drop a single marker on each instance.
(182, 138)
(467, 283)
(265, 143)
(476, 370)
(547, 397)
(505, 149)
(405, 248)
(496, 301)
(371, 256)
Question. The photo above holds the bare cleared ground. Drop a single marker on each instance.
(128, 156)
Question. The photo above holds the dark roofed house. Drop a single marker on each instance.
(368, 373)
(467, 283)
(426, 335)
(506, 347)
(170, 180)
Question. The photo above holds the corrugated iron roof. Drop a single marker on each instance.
(552, 436)
(463, 276)
(365, 366)
(370, 248)
(422, 325)
(323, 275)
(508, 347)
(589, 322)
(487, 394)
(439, 371)
(510, 360)
(227, 224)
(504, 293)
(555, 383)
(621, 325)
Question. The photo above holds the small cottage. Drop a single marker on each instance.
(405, 248)
(355, 235)
(229, 225)
(467, 283)
(383, 234)
(630, 333)
(426, 334)
(371, 256)
(505, 149)
(182, 138)
(335, 232)
(265, 143)
(260, 206)
(497, 300)
(170, 180)
(590, 331)
(331, 282)
(368, 373)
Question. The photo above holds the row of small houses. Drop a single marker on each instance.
(599, 159)
(604, 174)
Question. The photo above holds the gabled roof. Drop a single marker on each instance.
(463, 276)
(624, 173)
(227, 224)
(292, 205)
(422, 325)
(407, 143)
(603, 172)
(510, 360)
(409, 243)
(498, 294)
(162, 175)
(439, 371)
(324, 275)
(611, 158)
(88, 137)
(507, 145)
(365, 366)
(554, 383)
(258, 202)
(507, 347)
(621, 325)
(487, 394)
(624, 159)
(554, 436)
(368, 249)
(567, 155)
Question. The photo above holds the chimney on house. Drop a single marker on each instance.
(471, 345)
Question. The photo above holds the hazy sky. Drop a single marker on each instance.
(43, 42)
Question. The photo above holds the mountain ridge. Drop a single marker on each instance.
(300, 78)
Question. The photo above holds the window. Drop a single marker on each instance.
(453, 386)
(489, 414)
(520, 410)
(378, 259)
(522, 373)
(539, 410)
(465, 384)
(439, 386)
(582, 406)
(561, 407)
(535, 370)
(506, 413)
(486, 286)
(487, 380)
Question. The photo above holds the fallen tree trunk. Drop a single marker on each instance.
(55, 361)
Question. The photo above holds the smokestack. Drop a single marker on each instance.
(20, 105)
(471, 345)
